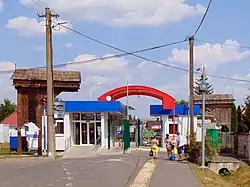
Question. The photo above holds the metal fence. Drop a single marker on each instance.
(228, 142)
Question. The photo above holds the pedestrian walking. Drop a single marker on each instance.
(180, 145)
(154, 146)
(169, 145)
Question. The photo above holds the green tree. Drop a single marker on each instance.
(241, 127)
(234, 121)
(181, 102)
(6, 108)
(246, 116)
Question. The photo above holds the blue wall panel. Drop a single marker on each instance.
(94, 106)
(179, 110)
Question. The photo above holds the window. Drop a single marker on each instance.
(59, 128)
(98, 116)
(171, 128)
(87, 116)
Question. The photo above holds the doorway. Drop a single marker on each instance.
(85, 133)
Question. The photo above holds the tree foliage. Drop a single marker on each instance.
(241, 127)
(246, 116)
(181, 102)
(234, 121)
(6, 108)
(194, 150)
(197, 84)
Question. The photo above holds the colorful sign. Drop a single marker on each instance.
(148, 133)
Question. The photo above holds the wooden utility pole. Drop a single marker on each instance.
(191, 83)
(51, 148)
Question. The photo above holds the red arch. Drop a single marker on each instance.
(168, 102)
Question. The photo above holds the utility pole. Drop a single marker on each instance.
(191, 83)
(51, 149)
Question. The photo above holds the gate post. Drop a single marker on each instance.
(126, 135)
(139, 132)
(109, 121)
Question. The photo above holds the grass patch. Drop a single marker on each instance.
(8, 154)
(210, 179)
(241, 177)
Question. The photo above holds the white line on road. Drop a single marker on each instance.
(144, 176)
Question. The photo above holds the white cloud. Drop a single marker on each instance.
(211, 55)
(7, 91)
(31, 26)
(114, 72)
(124, 12)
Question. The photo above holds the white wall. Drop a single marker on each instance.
(13, 131)
(4, 133)
(183, 125)
(165, 129)
(104, 130)
(59, 138)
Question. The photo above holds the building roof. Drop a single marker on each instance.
(10, 120)
(40, 74)
(215, 97)
(157, 110)
(94, 106)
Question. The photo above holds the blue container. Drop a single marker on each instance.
(172, 158)
(13, 142)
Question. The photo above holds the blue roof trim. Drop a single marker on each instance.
(179, 110)
(94, 106)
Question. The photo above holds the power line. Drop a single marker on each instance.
(228, 78)
(101, 58)
(203, 18)
(106, 44)
(230, 45)
(141, 57)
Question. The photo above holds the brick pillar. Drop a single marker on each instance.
(40, 96)
(22, 115)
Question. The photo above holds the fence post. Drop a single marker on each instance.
(126, 135)
(248, 148)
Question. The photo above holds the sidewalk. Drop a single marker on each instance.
(171, 173)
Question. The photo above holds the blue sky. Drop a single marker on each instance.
(150, 23)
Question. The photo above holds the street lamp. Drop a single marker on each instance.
(203, 89)
(92, 88)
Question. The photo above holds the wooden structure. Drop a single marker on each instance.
(218, 108)
(31, 86)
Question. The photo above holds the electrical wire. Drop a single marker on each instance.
(203, 18)
(106, 44)
(101, 58)
(141, 57)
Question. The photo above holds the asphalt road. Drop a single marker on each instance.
(106, 171)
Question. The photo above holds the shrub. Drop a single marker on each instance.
(194, 150)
